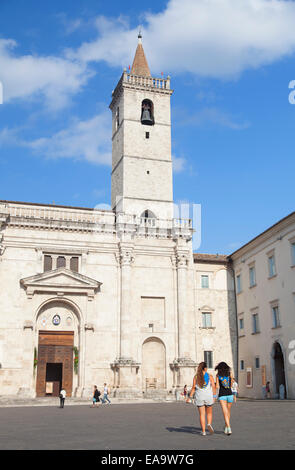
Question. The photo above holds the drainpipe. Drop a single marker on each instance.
(237, 325)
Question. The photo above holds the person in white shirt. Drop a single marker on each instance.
(235, 389)
(105, 394)
(62, 396)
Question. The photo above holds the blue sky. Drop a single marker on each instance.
(230, 62)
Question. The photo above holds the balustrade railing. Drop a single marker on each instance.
(161, 83)
(98, 220)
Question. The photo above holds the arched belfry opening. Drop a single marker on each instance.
(147, 214)
(147, 113)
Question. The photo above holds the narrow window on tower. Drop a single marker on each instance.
(147, 135)
(117, 118)
(147, 113)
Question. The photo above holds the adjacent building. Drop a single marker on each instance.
(265, 290)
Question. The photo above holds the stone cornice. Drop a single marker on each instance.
(264, 236)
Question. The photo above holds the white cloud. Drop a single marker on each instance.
(83, 140)
(214, 116)
(29, 76)
(178, 164)
(208, 38)
(211, 38)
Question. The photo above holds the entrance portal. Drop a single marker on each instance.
(279, 369)
(55, 363)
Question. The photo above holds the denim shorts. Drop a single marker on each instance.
(228, 398)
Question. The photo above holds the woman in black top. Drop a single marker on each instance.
(224, 381)
(96, 395)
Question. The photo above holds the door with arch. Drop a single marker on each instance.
(278, 369)
(57, 328)
(153, 364)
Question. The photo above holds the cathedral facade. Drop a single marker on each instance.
(91, 296)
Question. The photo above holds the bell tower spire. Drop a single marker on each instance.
(141, 142)
(140, 66)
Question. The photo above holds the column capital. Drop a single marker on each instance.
(124, 362)
(125, 255)
(182, 259)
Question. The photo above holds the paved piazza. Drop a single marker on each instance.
(173, 426)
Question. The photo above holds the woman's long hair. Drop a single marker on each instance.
(199, 375)
(223, 369)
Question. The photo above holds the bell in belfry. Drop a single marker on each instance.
(146, 117)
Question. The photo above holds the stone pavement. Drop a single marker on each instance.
(11, 401)
(8, 401)
(146, 426)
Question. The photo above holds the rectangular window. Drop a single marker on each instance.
(255, 323)
(252, 276)
(275, 317)
(241, 323)
(74, 263)
(242, 365)
(117, 118)
(147, 135)
(293, 253)
(239, 284)
(47, 263)
(208, 358)
(257, 363)
(271, 266)
(205, 282)
(207, 320)
(61, 262)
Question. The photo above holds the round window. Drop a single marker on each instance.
(56, 320)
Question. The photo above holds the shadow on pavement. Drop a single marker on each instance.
(190, 430)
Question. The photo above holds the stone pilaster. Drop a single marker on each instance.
(26, 389)
(125, 367)
(183, 366)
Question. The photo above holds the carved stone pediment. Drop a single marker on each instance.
(61, 282)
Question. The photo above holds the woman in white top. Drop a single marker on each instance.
(235, 389)
(62, 396)
(205, 394)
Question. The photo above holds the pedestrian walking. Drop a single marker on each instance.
(267, 389)
(235, 389)
(62, 397)
(105, 394)
(224, 381)
(95, 398)
(185, 392)
(205, 393)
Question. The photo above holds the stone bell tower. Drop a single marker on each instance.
(141, 136)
